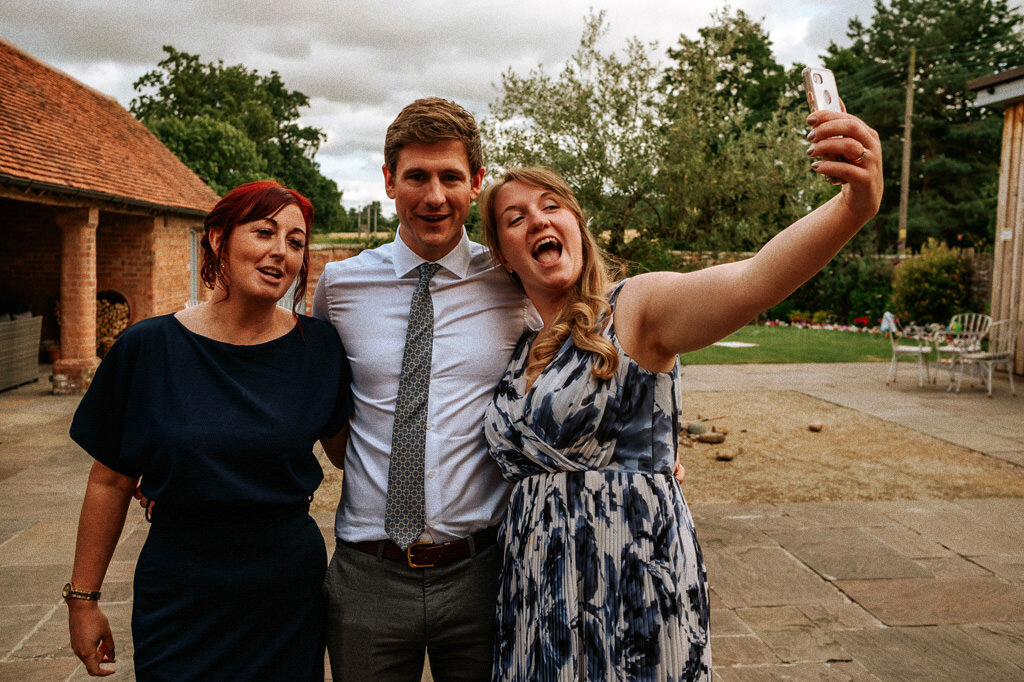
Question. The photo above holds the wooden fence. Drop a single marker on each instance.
(1008, 260)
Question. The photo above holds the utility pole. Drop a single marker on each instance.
(901, 243)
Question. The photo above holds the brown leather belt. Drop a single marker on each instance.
(428, 554)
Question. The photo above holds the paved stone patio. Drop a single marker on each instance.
(898, 590)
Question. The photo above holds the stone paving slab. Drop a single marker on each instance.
(800, 672)
(955, 567)
(999, 640)
(17, 622)
(848, 553)
(824, 515)
(760, 576)
(846, 615)
(39, 671)
(31, 585)
(1010, 568)
(740, 650)
(792, 636)
(1000, 510)
(40, 542)
(1013, 456)
(725, 622)
(934, 654)
(909, 543)
(718, 532)
(917, 601)
(961, 531)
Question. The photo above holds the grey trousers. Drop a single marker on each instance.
(382, 615)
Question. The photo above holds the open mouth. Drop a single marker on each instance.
(433, 219)
(546, 251)
(271, 272)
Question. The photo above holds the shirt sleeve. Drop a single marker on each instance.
(100, 420)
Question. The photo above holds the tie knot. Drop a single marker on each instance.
(428, 270)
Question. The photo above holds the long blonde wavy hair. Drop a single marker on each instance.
(586, 312)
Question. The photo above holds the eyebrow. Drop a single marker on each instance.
(543, 195)
(273, 222)
(417, 169)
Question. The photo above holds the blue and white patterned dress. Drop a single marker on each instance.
(602, 578)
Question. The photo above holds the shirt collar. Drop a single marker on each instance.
(455, 261)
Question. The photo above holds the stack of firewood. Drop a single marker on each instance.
(111, 319)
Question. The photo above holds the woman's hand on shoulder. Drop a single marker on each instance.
(858, 149)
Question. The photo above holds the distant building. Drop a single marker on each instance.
(90, 203)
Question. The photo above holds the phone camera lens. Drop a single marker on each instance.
(817, 78)
(827, 97)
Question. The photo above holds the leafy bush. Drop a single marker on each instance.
(800, 315)
(821, 317)
(850, 286)
(934, 286)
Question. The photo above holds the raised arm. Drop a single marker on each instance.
(662, 314)
(103, 512)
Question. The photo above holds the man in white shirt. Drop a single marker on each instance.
(387, 605)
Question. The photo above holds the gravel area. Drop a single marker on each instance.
(777, 458)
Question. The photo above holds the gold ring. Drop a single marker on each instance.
(860, 158)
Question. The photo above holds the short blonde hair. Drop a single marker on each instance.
(586, 312)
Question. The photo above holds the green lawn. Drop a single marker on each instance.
(787, 344)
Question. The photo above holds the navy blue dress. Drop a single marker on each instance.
(602, 576)
(228, 584)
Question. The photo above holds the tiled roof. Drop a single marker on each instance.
(59, 133)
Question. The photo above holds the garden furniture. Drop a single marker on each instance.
(19, 350)
(921, 347)
(1002, 340)
(962, 336)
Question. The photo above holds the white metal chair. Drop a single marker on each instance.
(921, 348)
(962, 336)
(1002, 340)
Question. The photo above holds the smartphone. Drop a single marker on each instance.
(820, 86)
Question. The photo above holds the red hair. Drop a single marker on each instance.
(244, 204)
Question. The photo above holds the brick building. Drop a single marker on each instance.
(90, 203)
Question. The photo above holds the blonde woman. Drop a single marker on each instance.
(602, 574)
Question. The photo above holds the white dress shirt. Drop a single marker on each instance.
(479, 316)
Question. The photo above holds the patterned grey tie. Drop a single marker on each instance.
(404, 509)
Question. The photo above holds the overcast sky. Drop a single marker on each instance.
(360, 62)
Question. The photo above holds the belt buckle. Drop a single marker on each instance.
(408, 555)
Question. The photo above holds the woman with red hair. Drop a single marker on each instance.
(217, 408)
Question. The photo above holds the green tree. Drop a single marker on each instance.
(734, 171)
(955, 146)
(598, 122)
(732, 60)
(209, 99)
(217, 151)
